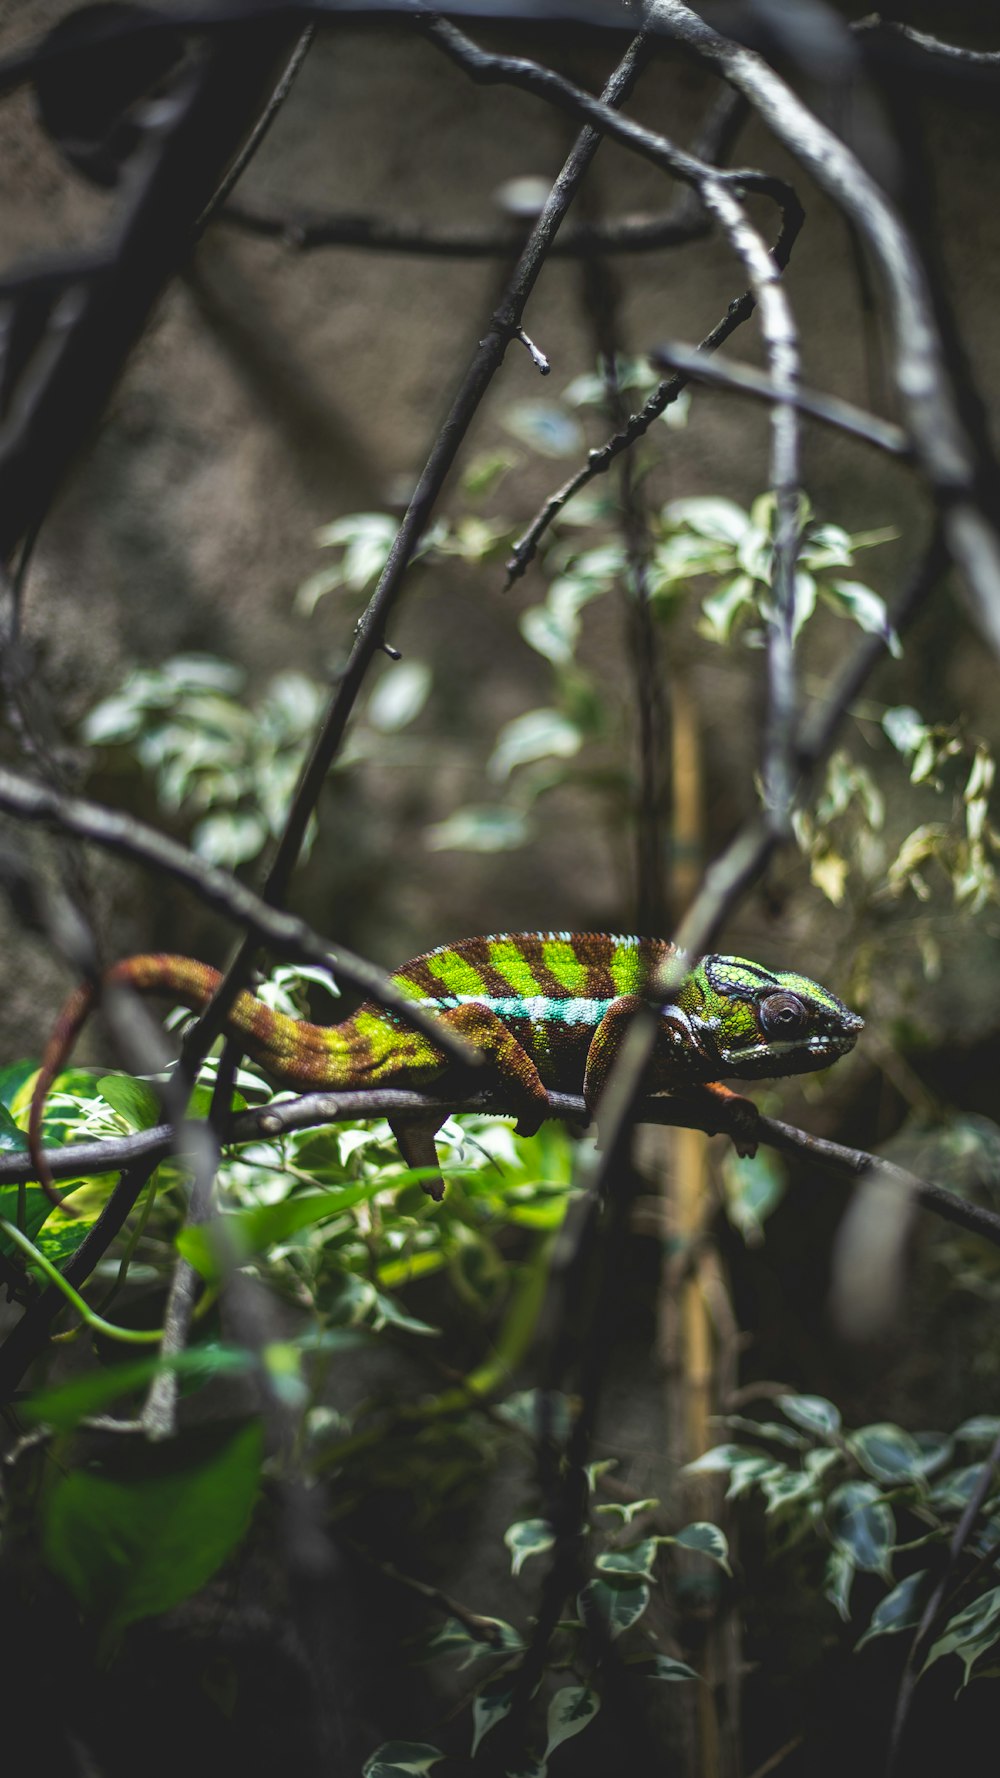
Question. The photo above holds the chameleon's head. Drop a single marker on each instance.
(752, 1022)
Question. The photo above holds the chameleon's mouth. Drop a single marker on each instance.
(794, 1056)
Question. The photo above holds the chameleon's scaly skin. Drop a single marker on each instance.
(546, 1008)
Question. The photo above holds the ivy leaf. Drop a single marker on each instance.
(637, 1560)
(399, 696)
(887, 1453)
(706, 1539)
(861, 1523)
(401, 1759)
(152, 1525)
(866, 608)
(721, 521)
(812, 1412)
(615, 1608)
(478, 829)
(754, 1187)
(970, 1633)
(458, 1638)
(545, 427)
(905, 728)
(663, 1667)
(899, 1610)
(489, 1708)
(570, 1711)
(840, 1572)
(538, 734)
(525, 1538)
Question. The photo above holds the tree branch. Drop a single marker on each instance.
(744, 379)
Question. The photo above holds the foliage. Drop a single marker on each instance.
(880, 1502)
(226, 765)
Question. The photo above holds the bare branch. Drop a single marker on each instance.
(601, 459)
(958, 467)
(743, 379)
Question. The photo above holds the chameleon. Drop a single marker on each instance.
(546, 1009)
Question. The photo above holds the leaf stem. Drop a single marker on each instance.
(132, 1336)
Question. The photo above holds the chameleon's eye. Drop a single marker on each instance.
(783, 1015)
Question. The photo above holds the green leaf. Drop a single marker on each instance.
(64, 1405)
(525, 1538)
(639, 1559)
(490, 1707)
(615, 1608)
(706, 1539)
(570, 1711)
(401, 1759)
(899, 1610)
(238, 1235)
(13, 1078)
(13, 1139)
(133, 1100)
(861, 1523)
(970, 1633)
(152, 1525)
(812, 1412)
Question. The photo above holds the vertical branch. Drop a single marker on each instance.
(781, 346)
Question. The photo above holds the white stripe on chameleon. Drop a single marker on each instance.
(540, 1009)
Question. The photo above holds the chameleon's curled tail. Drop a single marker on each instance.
(293, 1051)
(62, 1037)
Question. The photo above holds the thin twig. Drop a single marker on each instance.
(743, 379)
(601, 458)
(284, 933)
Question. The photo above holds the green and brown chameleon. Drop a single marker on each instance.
(546, 1009)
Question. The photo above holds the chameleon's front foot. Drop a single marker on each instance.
(739, 1118)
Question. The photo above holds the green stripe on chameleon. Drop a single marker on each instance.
(809, 990)
(626, 969)
(513, 968)
(561, 961)
(454, 973)
(408, 986)
(390, 1047)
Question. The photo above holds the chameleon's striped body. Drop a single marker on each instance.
(547, 1009)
